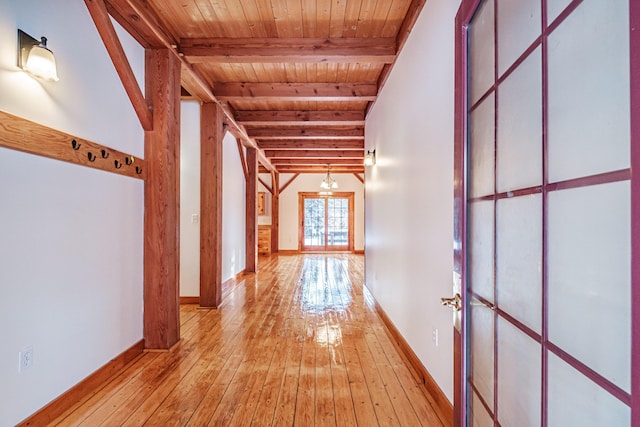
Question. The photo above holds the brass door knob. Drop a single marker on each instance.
(455, 302)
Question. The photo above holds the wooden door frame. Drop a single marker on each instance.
(321, 195)
(464, 15)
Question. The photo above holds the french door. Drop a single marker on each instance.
(547, 128)
(326, 221)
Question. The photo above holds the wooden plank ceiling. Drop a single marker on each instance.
(295, 77)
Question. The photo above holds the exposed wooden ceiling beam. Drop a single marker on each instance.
(409, 21)
(295, 154)
(349, 132)
(144, 25)
(288, 183)
(141, 22)
(296, 91)
(317, 161)
(299, 118)
(100, 16)
(265, 185)
(240, 133)
(298, 50)
(243, 159)
(320, 169)
(312, 144)
(403, 34)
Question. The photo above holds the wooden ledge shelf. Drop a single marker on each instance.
(24, 135)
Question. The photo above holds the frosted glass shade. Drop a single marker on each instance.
(41, 63)
(35, 58)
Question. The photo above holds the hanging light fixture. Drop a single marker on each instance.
(328, 182)
(35, 58)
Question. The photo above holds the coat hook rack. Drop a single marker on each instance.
(138, 170)
(117, 164)
(75, 144)
(129, 160)
(92, 157)
(104, 153)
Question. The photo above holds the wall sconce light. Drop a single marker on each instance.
(370, 158)
(35, 58)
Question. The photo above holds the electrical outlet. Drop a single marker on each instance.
(434, 336)
(25, 359)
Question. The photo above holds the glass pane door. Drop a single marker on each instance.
(337, 222)
(327, 222)
(314, 223)
(547, 311)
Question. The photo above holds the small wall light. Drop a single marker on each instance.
(370, 158)
(35, 58)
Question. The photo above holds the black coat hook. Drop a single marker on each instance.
(128, 160)
(138, 170)
(104, 153)
(92, 157)
(75, 144)
(117, 164)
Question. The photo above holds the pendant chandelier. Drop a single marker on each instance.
(328, 182)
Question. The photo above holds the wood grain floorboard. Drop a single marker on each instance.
(297, 344)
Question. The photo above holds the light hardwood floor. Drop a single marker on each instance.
(299, 343)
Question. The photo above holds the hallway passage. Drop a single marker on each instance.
(299, 343)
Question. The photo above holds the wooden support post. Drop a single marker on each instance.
(252, 211)
(161, 201)
(275, 211)
(211, 135)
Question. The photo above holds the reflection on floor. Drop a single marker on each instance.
(325, 286)
(295, 344)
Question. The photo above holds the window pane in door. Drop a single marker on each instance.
(482, 150)
(338, 222)
(519, 371)
(518, 26)
(519, 153)
(314, 222)
(574, 400)
(481, 217)
(481, 52)
(589, 277)
(519, 264)
(478, 414)
(481, 356)
(589, 129)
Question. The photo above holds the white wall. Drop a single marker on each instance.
(189, 198)
(233, 210)
(71, 237)
(288, 228)
(233, 204)
(409, 192)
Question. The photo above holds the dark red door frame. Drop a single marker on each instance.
(463, 17)
(634, 60)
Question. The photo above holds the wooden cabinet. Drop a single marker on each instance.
(264, 239)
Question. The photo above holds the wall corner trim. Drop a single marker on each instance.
(435, 395)
(84, 390)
